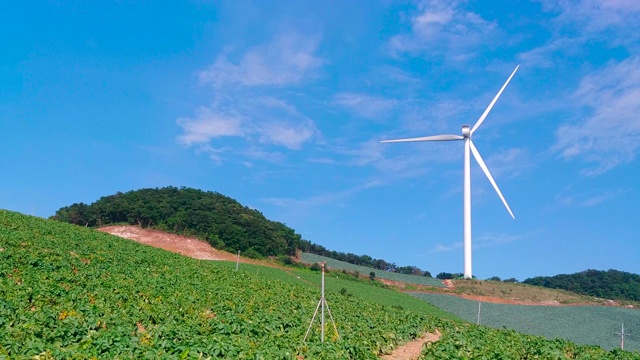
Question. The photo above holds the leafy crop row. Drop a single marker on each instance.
(71, 292)
(341, 265)
(594, 325)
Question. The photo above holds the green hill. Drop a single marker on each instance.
(610, 284)
(220, 220)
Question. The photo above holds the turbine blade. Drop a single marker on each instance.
(486, 112)
(476, 154)
(445, 137)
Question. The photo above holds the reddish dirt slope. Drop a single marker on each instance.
(187, 246)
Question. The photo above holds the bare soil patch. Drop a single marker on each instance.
(188, 246)
(412, 349)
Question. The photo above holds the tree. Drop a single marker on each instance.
(444, 276)
(372, 276)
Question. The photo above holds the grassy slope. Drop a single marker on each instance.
(521, 292)
(340, 265)
(69, 291)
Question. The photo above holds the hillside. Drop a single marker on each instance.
(218, 219)
(525, 294)
(72, 291)
(611, 284)
(213, 217)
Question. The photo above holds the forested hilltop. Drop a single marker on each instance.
(610, 284)
(218, 219)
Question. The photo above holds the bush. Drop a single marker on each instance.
(285, 260)
(315, 267)
(372, 276)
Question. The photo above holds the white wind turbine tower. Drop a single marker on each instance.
(468, 145)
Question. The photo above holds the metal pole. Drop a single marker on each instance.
(322, 312)
(622, 334)
(238, 261)
(479, 305)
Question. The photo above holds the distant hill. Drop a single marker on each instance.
(218, 219)
(610, 284)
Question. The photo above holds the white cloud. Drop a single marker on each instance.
(609, 135)
(288, 60)
(242, 108)
(262, 122)
(443, 28)
(208, 124)
(290, 136)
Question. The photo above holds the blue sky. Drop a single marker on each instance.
(282, 104)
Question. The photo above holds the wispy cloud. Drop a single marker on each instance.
(444, 28)
(291, 136)
(609, 134)
(486, 241)
(564, 200)
(593, 17)
(367, 106)
(447, 248)
(323, 199)
(288, 60)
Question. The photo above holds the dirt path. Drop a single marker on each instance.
(412, 349)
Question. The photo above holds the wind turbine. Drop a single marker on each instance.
(468, 146)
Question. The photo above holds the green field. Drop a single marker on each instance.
(69, 291)
(580, 324)
(341, 265)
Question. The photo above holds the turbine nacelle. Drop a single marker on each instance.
(466, 131)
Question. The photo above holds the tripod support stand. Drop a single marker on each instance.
(321, 305)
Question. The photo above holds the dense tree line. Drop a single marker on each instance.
(218, 219)
(362, 260)
(611, 284)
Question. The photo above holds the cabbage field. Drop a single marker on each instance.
(341, 265)
(595, 325)
(68, 292)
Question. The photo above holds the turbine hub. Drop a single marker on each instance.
(466, 132)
